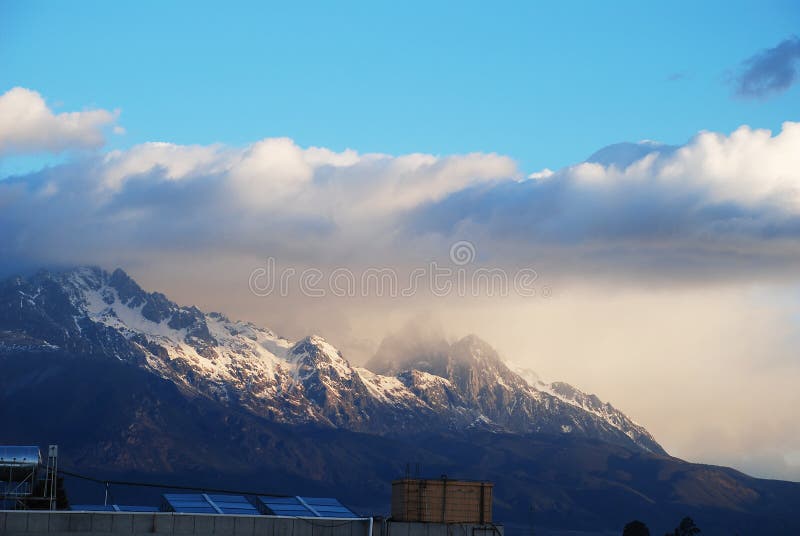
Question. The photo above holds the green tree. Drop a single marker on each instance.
(686, 528)
(636, 528)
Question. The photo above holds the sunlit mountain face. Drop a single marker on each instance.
(94, 313)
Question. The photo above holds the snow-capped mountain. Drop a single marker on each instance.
(88, 312)
(624, 154)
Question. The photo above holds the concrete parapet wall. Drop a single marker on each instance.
(62, 523)
(33, 523)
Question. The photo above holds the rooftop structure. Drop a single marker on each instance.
(19, 457)
(442, 501)
(25, 481)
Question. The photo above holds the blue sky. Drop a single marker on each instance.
(545, 83)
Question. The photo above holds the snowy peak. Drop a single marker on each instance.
(470, 364)
(315, 355)
(622, 155)
(124, 298)
(129, 292)
(473, 361)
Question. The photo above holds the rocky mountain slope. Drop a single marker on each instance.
(89, 312)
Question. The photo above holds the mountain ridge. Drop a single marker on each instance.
(92, 312)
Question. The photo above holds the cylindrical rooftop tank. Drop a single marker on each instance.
(18, 463)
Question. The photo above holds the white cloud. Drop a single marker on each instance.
(28, 125)
(279, 175)
(271, 171)
(165, 160)
(750, 166)
(272, 194)
(546, 173)
(719, 204)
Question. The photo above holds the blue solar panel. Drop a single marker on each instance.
(201, 503)
(233, 504)
(328, 507)
(194, 503)
(305, 507)
(319, 501)
(285, 506)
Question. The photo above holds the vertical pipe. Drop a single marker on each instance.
(482, 505)
(53, 450)
(421, 505)
(444, 498)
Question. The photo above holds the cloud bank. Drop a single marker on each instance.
(771, 71)
(270, 197)
(719, 206)
(28, 125)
